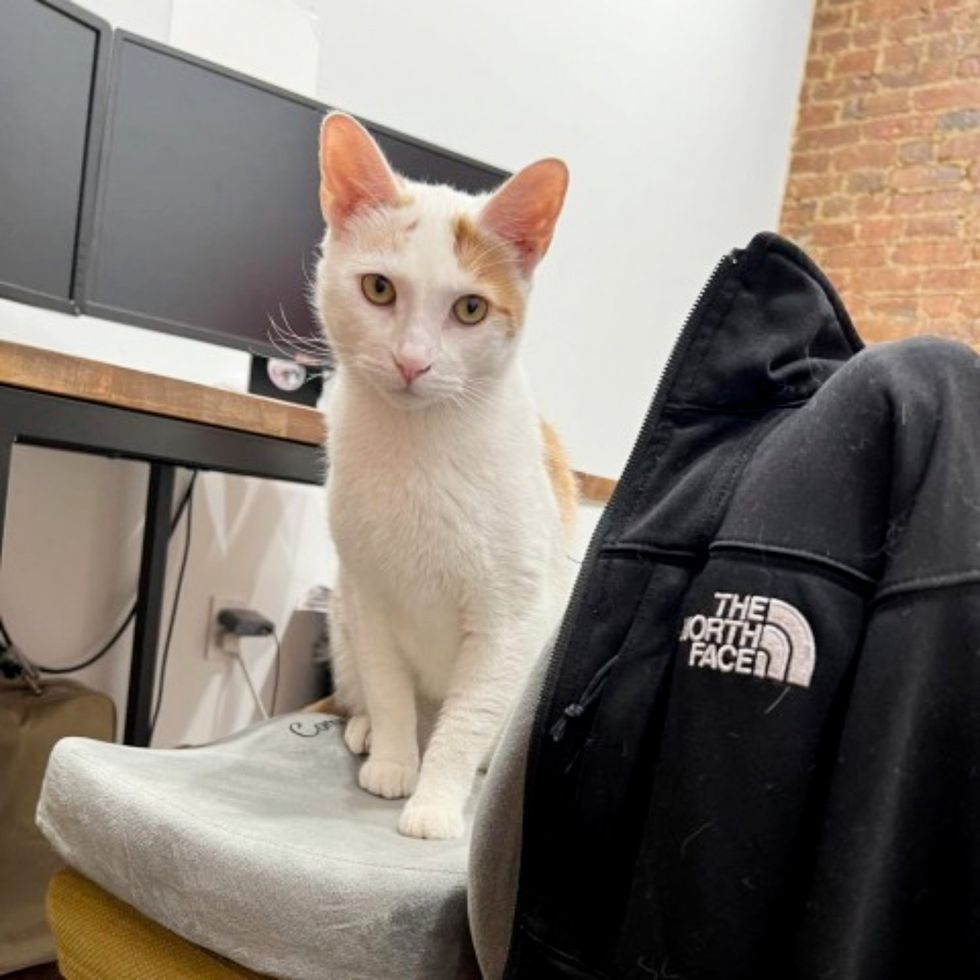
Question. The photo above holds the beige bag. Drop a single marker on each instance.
(30, 724)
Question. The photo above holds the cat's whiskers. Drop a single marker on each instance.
(296, 346)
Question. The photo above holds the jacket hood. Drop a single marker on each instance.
(768, 330)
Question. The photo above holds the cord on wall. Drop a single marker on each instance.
(130, 615)
(236, 624)
(251, 684)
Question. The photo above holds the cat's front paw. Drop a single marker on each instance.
(432, 821)
(392, 780)
(357, 734)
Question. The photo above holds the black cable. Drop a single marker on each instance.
(188, 525)
(99, 654)
(275, 683)
(130, 616)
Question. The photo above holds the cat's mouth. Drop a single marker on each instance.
(411, 396)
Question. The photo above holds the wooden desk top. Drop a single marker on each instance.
(75, 377)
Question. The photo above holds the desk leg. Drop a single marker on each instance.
(6, 450)
(149, 604)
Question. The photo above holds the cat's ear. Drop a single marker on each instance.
(524, 211)
(353, 171)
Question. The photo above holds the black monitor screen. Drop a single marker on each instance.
(51, 58)
(208, 215)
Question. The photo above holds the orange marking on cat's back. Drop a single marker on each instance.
(493, 263)
(563, 482)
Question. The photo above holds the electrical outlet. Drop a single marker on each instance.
(213, 649)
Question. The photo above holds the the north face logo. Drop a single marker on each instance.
(752, 634)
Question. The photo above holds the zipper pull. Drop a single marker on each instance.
(557, 731)
(578, 708)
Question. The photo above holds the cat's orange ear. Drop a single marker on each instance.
(524, 211)
(353, 171)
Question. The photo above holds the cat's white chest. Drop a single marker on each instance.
(410, 535)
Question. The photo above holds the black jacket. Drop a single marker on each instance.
(758, 748)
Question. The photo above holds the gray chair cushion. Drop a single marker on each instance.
(263, 848)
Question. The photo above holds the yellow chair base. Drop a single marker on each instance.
(101, 938)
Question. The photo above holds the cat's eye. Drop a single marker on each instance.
(378, 289)
(470, 310)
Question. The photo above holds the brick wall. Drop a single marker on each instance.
(884, 184)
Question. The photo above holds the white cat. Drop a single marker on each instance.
(450, 502)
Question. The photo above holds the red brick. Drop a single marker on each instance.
(880, 229)
(875, 11)
(802, 187)
(810, 163)
(880, 104)
(870, 204)
(894, 210)
(817, 68)
(826, 18)
(855, 62)
(864, 155)
(833, 42)
(832, 234)
(832, 89)
(947, 46)
(938, 23)
(933, 226)
(828, 137)
(926, 175)
(904, 29)
(945, 200)
(798, 214)
(905, 309)
(900, 55)
(916, 151)
(939, 305)
(866, 182)
(954, 95)
(898, 126)
(855, 256)
(931, 253)
(969, 67)
(866, 37)
(941, 279)
(836, 207)
(960, 147)
(959, 119)
(889, 280)
(812, 116)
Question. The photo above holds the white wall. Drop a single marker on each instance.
(675, 119)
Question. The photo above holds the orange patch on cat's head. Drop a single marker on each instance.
(493, 262)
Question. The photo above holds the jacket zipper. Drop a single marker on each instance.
(652, 417)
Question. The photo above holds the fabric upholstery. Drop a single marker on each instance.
(99, 936)
(263, 848)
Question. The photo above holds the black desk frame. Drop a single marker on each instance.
(61, 422)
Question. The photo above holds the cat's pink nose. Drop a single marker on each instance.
(411, 367)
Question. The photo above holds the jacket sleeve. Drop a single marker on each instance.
(894, 889)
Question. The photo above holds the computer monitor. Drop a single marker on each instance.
(53, 60)
(208, 218)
